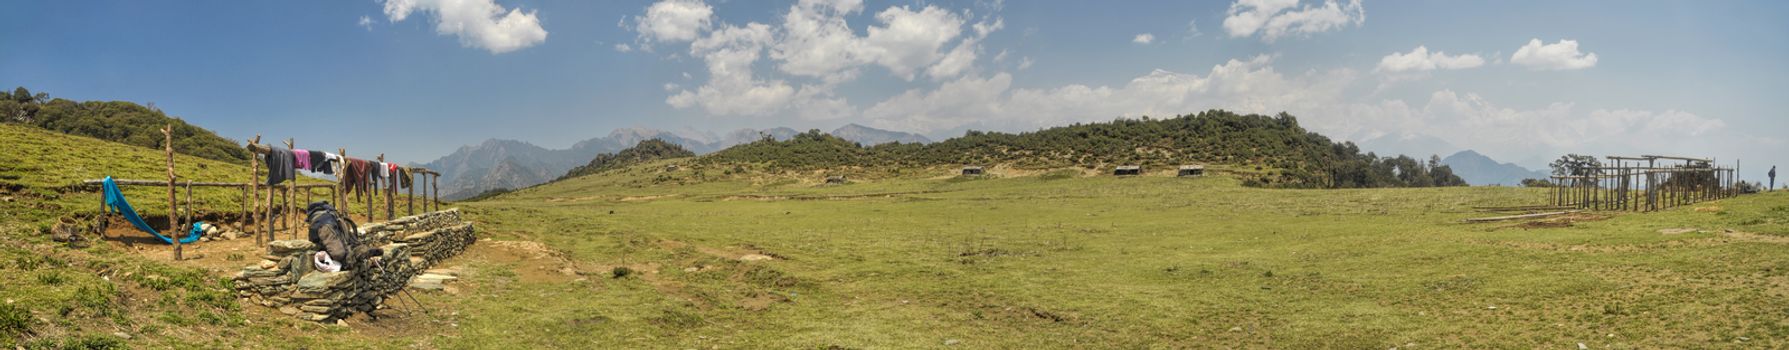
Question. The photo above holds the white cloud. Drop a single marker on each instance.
(1144, 38)
(910, 40)
(1421, 59)
(674, 21)
(1025, 63)
(732, 88)
(813, 50)
(1243, 85)
(623, 47)
(951, 104)
(817, 42)
(1192, 29)
(479, 23)
(956, 62)
(1274, 19)
(366, 22)
(1562, 55)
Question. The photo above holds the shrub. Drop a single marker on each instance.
(14, 322)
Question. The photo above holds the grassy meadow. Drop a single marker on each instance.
(707, 258)
(1072, 260)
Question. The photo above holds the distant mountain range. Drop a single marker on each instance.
(869, 136)
(511, 164)
(1479, 170)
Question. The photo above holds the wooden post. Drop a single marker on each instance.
(1596, 188)
(410, 200)
(435, 184)
(269, 216)
(254, 190)
(189, 219)
(291, 194)
(1652, 188)
(1554, 196)
(173, 208)
(367, 195)
(340, 189)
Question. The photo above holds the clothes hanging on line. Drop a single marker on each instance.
(279, 165)
(404, 177)
(114, 203)
(354, 175)
(301, 159)
(384, 171)
(320, 163)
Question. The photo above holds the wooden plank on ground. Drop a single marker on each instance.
(1520, 217)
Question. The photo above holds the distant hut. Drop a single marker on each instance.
(972, 171)
(1128, 170)
(1192, 170)
(835, 180)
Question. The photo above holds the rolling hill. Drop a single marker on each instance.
(509, 164)
(116, 121)
(1282, 153)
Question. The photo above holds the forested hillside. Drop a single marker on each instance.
(116, 121)
(1288, 155)
(645, 151)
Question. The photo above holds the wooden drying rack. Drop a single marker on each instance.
(252, 189)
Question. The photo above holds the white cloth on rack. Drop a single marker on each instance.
(323, 263)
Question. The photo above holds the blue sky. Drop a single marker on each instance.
(1520, 81)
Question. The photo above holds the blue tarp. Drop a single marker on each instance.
(116, 203)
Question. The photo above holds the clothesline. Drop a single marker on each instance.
(354, 177)
(353, 173)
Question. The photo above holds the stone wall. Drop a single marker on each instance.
(285, 279)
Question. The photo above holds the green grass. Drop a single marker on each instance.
(914, 258)
(56, 297)
(1157, 262)
(38, 167)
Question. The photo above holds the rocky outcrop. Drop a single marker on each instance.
(286, 280)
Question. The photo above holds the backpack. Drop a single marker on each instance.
(338, 235)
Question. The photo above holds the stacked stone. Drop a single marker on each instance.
(285, 278)
(268, 282)
(437, 245)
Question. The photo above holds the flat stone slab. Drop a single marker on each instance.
(430, 281)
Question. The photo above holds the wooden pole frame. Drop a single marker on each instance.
(173, 208)
(254, 193)
(291, 189)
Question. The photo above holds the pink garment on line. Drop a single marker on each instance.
(302, 159)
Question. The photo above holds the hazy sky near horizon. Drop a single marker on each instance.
(1520, 81)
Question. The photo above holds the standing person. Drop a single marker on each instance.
(1773, 178)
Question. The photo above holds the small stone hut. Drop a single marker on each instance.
(973, 171)
(1192, 170)
(1128, 170)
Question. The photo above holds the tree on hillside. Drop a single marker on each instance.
(1574, 165)
(116, 121)
(645, 151)
(1284, 154)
